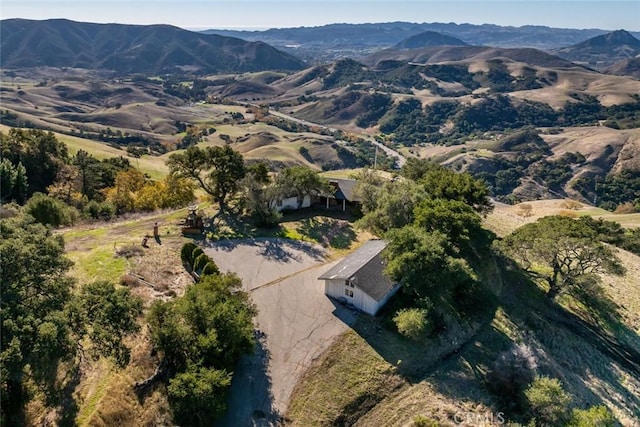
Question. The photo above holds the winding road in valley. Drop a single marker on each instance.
(400, 159)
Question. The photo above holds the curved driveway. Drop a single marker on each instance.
(296, 322)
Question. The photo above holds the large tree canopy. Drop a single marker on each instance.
(258, 194)
(429, 219)
(13, 182)
(559, 250)
(42, 319)
(442, 199)
(41, 154)
(456, 219)
(419, 260)
(201, 337)
(392, 206)
(217, 170)
(442, 183)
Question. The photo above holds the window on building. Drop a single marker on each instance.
(348, 292)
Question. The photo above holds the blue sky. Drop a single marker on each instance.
(605, 14)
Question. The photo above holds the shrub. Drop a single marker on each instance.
(512, 371)
(200, 261)
(107, 210)
(547, 400)
(92, 209)
(49, 211)
(198, 395)
(186, 252)
(525, 210)
(195, 254)
(571, 205)
(568, 213)
(422, 421)
(72, 215)
(625, 208)
(129, 281)
(304, 151)
(266, 218)
(411, 322)
(129, 251)
(210, 268)
(596, 416)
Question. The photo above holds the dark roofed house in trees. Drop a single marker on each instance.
(343, 193)
(359, 279)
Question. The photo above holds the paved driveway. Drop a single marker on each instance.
(296, 323)
(263, 260)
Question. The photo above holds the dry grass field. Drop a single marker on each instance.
(506, 218)
(609, 90)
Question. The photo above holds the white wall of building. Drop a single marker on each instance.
(339, 289)
(291, 203)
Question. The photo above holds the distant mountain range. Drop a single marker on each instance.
(429, 38)
(439, 54)
(602, 51)
(333, 41)
(156, 49)
(133, 48)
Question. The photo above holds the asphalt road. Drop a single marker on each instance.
(400, 159)
(296, 323)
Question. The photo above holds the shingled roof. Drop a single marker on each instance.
(344, 189)
(365, 268)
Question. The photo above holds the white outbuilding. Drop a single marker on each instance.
(359, 279)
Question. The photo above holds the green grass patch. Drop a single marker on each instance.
(631, 220)
(72, 235)
(289, 233)
(98, 264)
(91, 404)
(341, 173)
(154, 166)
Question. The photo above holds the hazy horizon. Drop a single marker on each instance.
(261, 15)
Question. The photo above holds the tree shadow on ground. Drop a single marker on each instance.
(330, 228)
(229, 225)
(338, 234)
(594, 307)
(575, 345)
(274, 248)
(455, 362)
(68, 405)
(414, 359)
(250, 400)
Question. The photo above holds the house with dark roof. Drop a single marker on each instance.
(359, 279)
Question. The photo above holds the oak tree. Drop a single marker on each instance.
(560, 251)
(217, 170)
